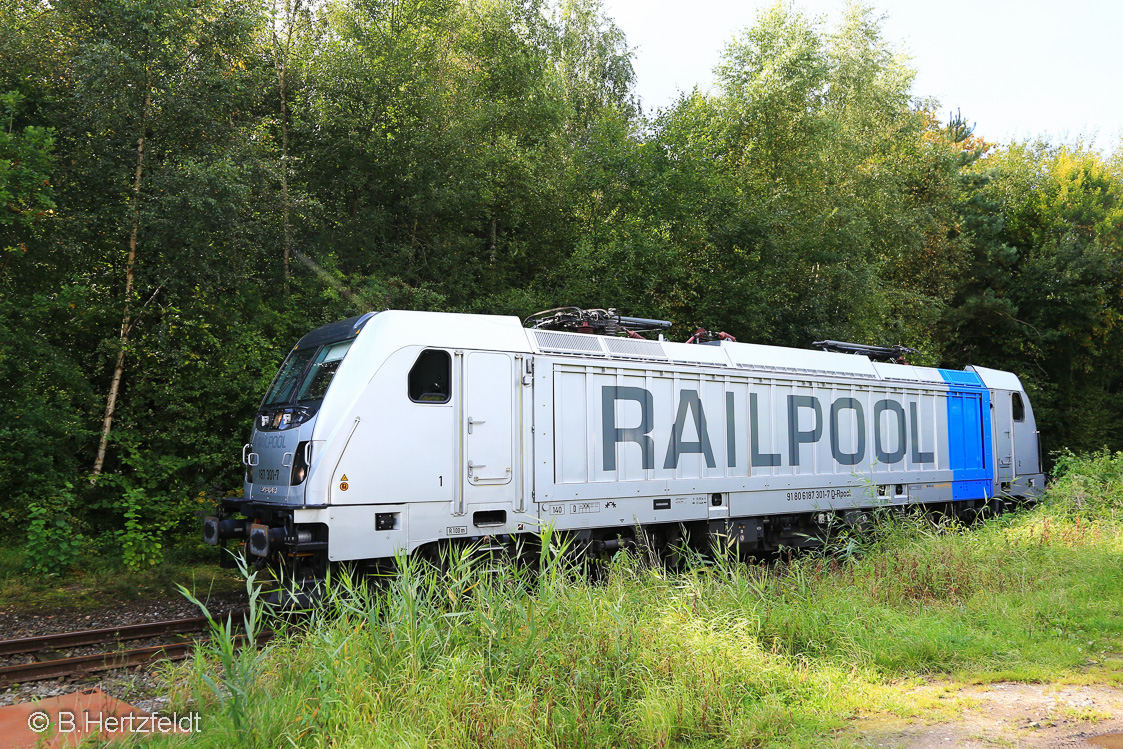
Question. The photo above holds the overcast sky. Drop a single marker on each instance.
(1017, 68)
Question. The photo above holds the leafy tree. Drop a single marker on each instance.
(1043, 294)
(163, 163)
(26, 163)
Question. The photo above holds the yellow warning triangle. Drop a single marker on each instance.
(344, 477)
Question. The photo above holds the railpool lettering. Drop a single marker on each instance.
(895, 433)
(881, 407)
(855, 405)
(917, 455)
(688, 401)
(758, 458)
(638, 434)
(797, 436)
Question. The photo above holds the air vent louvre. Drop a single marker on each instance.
(802, 370)
(636, 348)
(568, 343)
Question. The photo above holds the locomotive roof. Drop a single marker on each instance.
(750, 356)
(758, 357)
(340, 330)
(398, 328)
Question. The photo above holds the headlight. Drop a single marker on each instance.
(300, 463)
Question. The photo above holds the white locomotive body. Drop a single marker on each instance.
(397, 431)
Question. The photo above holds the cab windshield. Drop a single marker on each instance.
(314, 386)
(306, 374)
(287, 377)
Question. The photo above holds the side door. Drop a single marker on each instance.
(1027, 453)
(488, 422)
(1003, 435)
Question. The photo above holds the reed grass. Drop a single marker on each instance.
(720, 654)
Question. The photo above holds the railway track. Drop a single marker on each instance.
(51, 663)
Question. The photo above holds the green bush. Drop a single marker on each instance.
(1087, 486)
(53, 543)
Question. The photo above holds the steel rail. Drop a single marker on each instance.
(98, 636)
(86, 664)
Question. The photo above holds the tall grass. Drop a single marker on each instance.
(721, 654)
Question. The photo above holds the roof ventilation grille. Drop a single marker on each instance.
(568, 343)
(635, 348)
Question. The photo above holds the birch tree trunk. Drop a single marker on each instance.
(130, 273)
(491, 235)
(285, 166)
(281, 54)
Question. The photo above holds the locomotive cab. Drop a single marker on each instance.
(281, 451)
(1017, 448)
(376, 419)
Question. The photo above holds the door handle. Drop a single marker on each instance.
(286, 460)
(245, 451)
(472, 466)
(472, 422)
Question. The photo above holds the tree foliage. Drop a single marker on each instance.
(303, 162)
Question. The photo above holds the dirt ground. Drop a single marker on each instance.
(1009, 715)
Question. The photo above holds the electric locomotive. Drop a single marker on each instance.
(399, 432)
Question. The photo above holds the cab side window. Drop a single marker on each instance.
(1018, 407)
(430, 380)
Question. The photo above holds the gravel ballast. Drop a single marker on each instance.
(137, 686)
